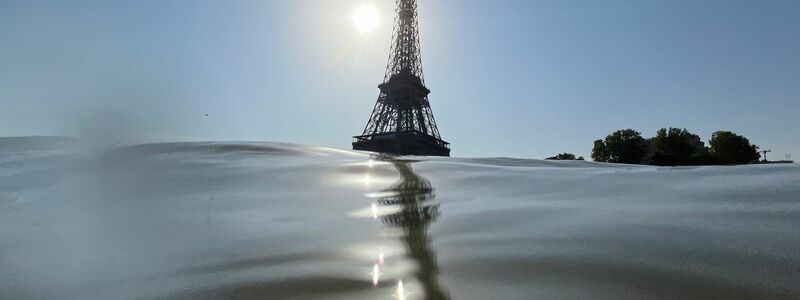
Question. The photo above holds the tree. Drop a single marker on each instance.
(729, 148)
(675, 146)
(599, 151)
(623, 146)
(563, 156)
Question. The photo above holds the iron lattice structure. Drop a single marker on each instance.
(402, 121)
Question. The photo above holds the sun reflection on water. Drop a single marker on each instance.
(376, 275)
(401, 292)
(367, 180)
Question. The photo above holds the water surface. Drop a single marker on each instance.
(279, 221)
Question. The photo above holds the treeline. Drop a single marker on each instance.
(675, 147)
(565, 156)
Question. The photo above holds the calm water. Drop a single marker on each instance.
(275, 221)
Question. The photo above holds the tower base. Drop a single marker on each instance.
(402, 143)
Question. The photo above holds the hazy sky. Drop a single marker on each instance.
(521, 78)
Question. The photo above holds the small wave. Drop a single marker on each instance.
(259, 262)
(521, 162)
(37, 144)
(222, 148)
(294, 288)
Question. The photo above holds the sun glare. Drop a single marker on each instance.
(366, 19)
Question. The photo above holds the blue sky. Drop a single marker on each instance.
(509, 78)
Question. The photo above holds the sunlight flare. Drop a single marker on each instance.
(401, 293)
(366, 19)
(376, 275)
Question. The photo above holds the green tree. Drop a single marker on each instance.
(729, 148)
(563, 156)
(599, 151)
(623, 146)
(675, 146)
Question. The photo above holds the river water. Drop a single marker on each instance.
(280, 221)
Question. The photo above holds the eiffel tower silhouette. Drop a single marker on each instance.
(402, 121)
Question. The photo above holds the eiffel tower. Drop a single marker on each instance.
(402, 121)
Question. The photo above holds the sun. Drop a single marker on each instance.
(366, 18)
